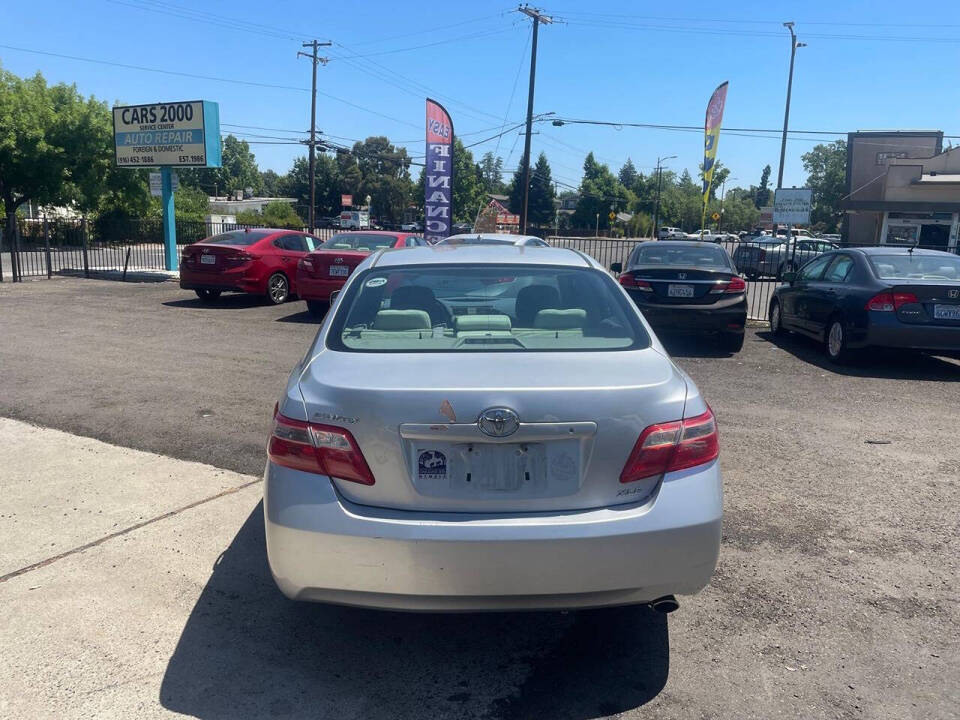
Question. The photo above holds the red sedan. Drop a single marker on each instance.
(259, 261)
(326, 270)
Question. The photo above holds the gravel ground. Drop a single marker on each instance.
(836, 593)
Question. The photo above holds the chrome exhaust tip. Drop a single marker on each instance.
(666, 604)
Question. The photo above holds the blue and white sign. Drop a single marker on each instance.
(175, 134)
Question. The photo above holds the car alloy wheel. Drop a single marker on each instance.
(776, 326)
(277, 289)
(837, 342)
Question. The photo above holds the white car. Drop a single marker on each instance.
(494, 239)
(672, 233)
(411, 227)
(487, 428)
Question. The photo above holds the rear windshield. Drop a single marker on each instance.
(682, 256)
(916, 267)
(356, 241)
(491, 308)
(238, 237)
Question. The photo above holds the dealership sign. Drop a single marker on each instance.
(791, 206)
(176, 134)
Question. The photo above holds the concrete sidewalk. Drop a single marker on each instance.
(106, 551)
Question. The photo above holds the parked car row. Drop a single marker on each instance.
(769, 256)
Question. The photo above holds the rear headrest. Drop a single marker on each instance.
(532, 299)
(401, 320)
(482, 322)
(561, 319)
(342, 246)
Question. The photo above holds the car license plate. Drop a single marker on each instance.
(208, 259)
(339, 271)
(683, 291)
(946, 312)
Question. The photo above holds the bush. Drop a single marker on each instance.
(276, 214)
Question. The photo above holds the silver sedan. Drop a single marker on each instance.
(482, 427)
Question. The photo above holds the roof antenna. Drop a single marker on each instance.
(914, 246)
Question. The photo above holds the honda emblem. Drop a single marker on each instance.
(681, 276)
(953, 293)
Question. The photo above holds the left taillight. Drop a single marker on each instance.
(321, 449)
(629, 281)
(305, 265)
(671, 446)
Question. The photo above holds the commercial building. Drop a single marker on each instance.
(902, 188)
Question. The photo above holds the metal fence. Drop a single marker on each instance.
(42, 247)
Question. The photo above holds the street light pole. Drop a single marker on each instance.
(656, 212)
(786, 113)
(314, 46)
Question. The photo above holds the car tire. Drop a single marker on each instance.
(207, 295)
(776, 320)
(318, 308)
(732, 342)
(835, 341)
(278, 289)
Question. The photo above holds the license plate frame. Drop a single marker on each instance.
(680, 291)
(946, 312)
(208, 259)
(338, 271)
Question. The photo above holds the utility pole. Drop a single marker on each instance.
(314, 45)
(538, 18)
(656, 212)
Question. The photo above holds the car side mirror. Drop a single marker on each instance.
(616, 267)
(333, 296)
(789, 277)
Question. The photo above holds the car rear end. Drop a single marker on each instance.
(687, 289)
(226, 262)
(323, 272)
(920, 309)
(452, 469)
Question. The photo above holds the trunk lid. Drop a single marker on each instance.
(415, 418)
(937, 302)
(333, 263)
(200, 257)
(679, 286)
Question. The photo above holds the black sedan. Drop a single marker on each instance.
(873, 297)
(684, 286)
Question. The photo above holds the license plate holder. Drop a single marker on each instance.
(680, 291)
(208, 259)
(946, 312)
(339, 271)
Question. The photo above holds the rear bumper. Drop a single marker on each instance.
(324, 548)
(695, 318)
(309, 288)
(236, 281)
(890, 332)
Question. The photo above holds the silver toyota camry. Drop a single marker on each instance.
(483, 427)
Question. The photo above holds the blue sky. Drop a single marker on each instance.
(867, 66)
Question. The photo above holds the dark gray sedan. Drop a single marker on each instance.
(873, 297)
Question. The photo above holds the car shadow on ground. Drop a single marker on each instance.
(883, 363)
(694, 346)
(235, 301)
(246, 651)
(304, 316)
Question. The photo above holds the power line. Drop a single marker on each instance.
(212, 78)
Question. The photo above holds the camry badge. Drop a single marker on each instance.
(498, 422)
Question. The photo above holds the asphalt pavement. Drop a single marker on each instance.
(836, 593)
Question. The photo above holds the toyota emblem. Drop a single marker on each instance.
(498, 422)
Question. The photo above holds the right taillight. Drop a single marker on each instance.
(320, 449)
(305, 265)
(671, 446)
(890, 301)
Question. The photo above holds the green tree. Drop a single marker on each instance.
(628, 175)
(56, 147)
(762, 196)
(720, 174)
(276, 214)
(237, 173)
(600, 193)
(385, 172)
(296, 184)
(491, 174)
(540, 207)
(826, 166)
(270, 183)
